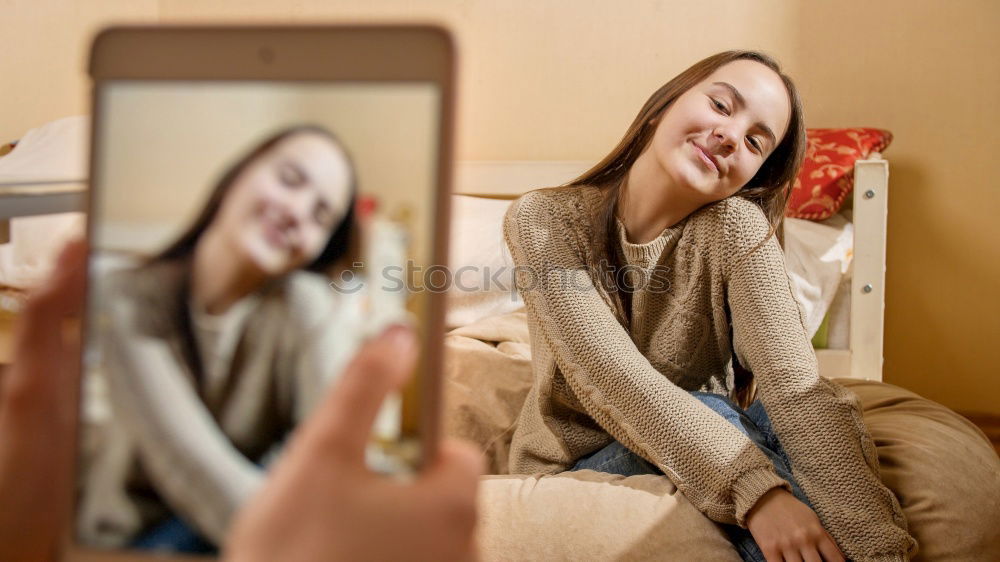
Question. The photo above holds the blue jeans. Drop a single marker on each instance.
(754, 423)
(173, 535)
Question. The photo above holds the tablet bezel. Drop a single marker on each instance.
(315, 53)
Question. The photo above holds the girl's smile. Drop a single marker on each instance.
(709, 162)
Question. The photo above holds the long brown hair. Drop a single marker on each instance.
(342, 240)
(768, 188)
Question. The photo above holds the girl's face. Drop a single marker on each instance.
(715, 136)
(281, 210)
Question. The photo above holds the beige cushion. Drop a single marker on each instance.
(941, 467)
(589, 515)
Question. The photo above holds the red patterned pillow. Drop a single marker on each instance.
(827, 175)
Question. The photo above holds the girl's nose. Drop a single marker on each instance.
(726, 139)
(298, 208)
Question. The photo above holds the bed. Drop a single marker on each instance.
(940, 466)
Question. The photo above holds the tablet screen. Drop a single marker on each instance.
(246, 237)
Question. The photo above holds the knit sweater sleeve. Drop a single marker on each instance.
(332, 327)
(818, 422)
(716, 467)
(194, 466)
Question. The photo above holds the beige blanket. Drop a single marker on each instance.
(941, 467)
(487, 375)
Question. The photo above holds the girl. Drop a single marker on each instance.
(651, 281)
(218, 346)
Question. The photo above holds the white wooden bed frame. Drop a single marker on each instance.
(509, 179)
(38, 197)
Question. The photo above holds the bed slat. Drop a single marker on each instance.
(871, 183)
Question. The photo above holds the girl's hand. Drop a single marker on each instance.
(788, 530)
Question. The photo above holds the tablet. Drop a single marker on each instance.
(262, 200)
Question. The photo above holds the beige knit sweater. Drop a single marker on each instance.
(705, 295)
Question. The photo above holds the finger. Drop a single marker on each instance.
(811, 554)
(791, 555)
(457, 462)
(71, 272)
(69, 376)
(40, 360)
(829, 549)
(344, 421)
(450, 484)
(771, 553)
(62, 292)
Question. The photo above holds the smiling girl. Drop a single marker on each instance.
(655, 278)
(219, 345)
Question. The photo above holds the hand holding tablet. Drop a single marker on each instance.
(322, 503)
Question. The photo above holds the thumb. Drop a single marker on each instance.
(457, 462)
(344, 419)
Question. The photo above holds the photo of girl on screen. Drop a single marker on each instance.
(217, 346)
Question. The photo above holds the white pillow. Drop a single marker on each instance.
(483, 282)
(54, 151)
(818, 255)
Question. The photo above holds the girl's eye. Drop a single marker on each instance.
(720, 106)
(756, 144)
(322, 217)
(289, 176)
